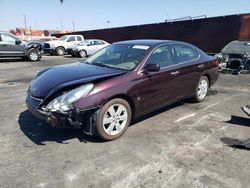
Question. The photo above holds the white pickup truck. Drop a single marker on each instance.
(59, 46)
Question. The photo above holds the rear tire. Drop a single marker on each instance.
(202, 89)
(33, 55)
(60, 51)
(113, 119)
(82, 53)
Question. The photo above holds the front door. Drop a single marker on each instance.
(156, 89)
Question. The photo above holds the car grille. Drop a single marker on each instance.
(34, 102)
(46, 45)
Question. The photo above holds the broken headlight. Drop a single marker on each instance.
(64, 102)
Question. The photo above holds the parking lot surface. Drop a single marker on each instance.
(183, 145)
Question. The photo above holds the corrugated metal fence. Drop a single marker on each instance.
(209, 34)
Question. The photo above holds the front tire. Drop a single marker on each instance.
(113, 119)
(82, 53)
(33, 55)
(202, 89)
(60, 51)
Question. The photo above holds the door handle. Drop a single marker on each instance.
(200, 66)
(175, 73)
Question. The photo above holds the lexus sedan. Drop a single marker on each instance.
(87, 47)
(121, 82)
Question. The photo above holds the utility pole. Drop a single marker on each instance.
(30, 33)
(61, 3)
(25, 23)
(25, 26)
(74, 26)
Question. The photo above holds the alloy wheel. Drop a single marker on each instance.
(115, 119)
(33, 56)
(202, 89)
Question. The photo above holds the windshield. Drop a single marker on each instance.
(62, 38)
(237, 47)
(119, 56)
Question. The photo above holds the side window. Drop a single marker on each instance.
(92, 43)
(98, 42)
(162, 56)
(8, 38)
(79, 38)
(185, 53)
(70, 39)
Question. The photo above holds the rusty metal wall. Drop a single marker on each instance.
(209, 34)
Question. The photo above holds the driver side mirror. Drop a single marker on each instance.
(18, 42)
(152, 68)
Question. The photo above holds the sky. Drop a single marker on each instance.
(98, 14)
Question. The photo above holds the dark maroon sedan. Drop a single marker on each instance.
(120, 82)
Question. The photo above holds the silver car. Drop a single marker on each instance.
(87, 47)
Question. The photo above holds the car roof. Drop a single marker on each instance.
(93, 39)
(147, 42)
(70, 35)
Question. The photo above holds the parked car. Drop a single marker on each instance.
(123, 81)
(87, 47)
(59, 46)
(236, 55)
(11, 46)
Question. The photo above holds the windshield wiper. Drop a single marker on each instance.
(101, 65)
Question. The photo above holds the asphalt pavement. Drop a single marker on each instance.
(184, 145)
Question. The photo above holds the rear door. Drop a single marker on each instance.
(8, 46)
(99, 45)
(156, 89)
(92, 47)
(190, 69)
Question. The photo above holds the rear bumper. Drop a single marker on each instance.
(214, 76)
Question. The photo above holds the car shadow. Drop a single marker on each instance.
(241, 121)
(11, 60)
(73, 57)
(40, 132)
(237, 144)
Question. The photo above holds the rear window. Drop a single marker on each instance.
(79, 38)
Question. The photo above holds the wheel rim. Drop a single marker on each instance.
(115, 119)
(33, 56)
(59, 51)
(202, 89)
(82, 54)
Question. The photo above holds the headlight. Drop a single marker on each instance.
(63, 103)
(226, 57)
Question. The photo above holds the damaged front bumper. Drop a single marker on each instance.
(78, 119)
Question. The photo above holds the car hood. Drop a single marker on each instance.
(51, 80)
